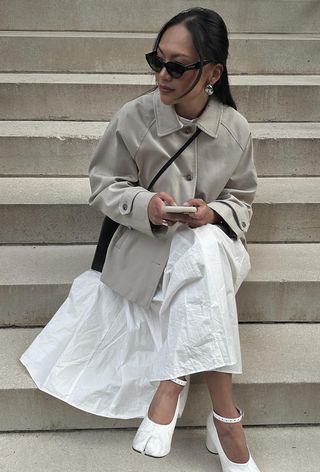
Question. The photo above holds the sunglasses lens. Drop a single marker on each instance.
(175, 70)
(154, 62)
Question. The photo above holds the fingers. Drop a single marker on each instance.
(204, 214)
(199, 218)
(180, 218)
(156, 209)
(158, 215)
(198, 202)
(166, 198)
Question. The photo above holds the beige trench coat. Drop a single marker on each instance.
(217, 167)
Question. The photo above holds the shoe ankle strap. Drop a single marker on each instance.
(229, 420)
(179, 381)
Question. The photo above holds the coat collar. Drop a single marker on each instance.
(167, 120)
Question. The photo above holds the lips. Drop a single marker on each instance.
(165, 89)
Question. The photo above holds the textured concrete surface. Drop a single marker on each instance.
(64, 148)
(66, 96)
(55, 210)
(276, 198)
(47, 51)
(106, 15)
(94, 129)
(285, 449)
(286, 274)
(286, 148)
(280, 383)
(76, 191)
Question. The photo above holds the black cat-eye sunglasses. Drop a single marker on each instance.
(175, 69)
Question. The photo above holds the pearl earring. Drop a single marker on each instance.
(209, 89)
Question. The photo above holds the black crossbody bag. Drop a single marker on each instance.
(109, 226)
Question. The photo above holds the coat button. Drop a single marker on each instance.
(244, 224)
(124, 206)
(188, 130)
(189, 177)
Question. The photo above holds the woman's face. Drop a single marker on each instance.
(176, 45)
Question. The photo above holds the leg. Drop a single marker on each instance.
(231, 436)
(163, 404)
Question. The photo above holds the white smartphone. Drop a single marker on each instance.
(180, 209)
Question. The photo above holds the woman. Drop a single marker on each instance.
(124, 345)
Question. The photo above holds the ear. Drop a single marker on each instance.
(216, 73)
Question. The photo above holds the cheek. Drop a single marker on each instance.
(204, 80)
(199, 87)
(192, 78)
(185, 81)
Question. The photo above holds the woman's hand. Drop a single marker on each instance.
(204, 215)
(156, 209)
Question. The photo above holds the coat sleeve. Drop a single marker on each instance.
(114, 181)
(234, 202)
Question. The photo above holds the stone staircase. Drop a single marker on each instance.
(66, 67)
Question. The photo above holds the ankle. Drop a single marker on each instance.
(227, 413)
(228, 421)
(225, 429)
(169, 388)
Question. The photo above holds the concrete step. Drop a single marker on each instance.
(281, 449)
(69, 51)
(30, 148)
(35, 280)
(149, 15)
(64, 148)
(96, 97)
(38, 210)
(280, 384)
(286, 210)
(286, 149)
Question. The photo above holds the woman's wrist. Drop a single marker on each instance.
(216, 218)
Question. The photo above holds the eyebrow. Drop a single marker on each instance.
(175, 55)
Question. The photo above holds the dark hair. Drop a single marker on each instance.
(210, 39)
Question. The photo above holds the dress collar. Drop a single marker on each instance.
(167, 120)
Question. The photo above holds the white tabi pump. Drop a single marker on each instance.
(153, 439)
(213, 445)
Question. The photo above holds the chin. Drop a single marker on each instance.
(166, 99)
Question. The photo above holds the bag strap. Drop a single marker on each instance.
(173, 158)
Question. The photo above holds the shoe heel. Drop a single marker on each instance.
(210, 444)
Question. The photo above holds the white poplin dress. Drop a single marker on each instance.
(106, 355)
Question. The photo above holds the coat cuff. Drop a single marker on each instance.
(239, 223)
(134, 207)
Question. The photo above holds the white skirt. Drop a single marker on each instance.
(106, 355)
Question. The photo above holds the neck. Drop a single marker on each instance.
(191, 110)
